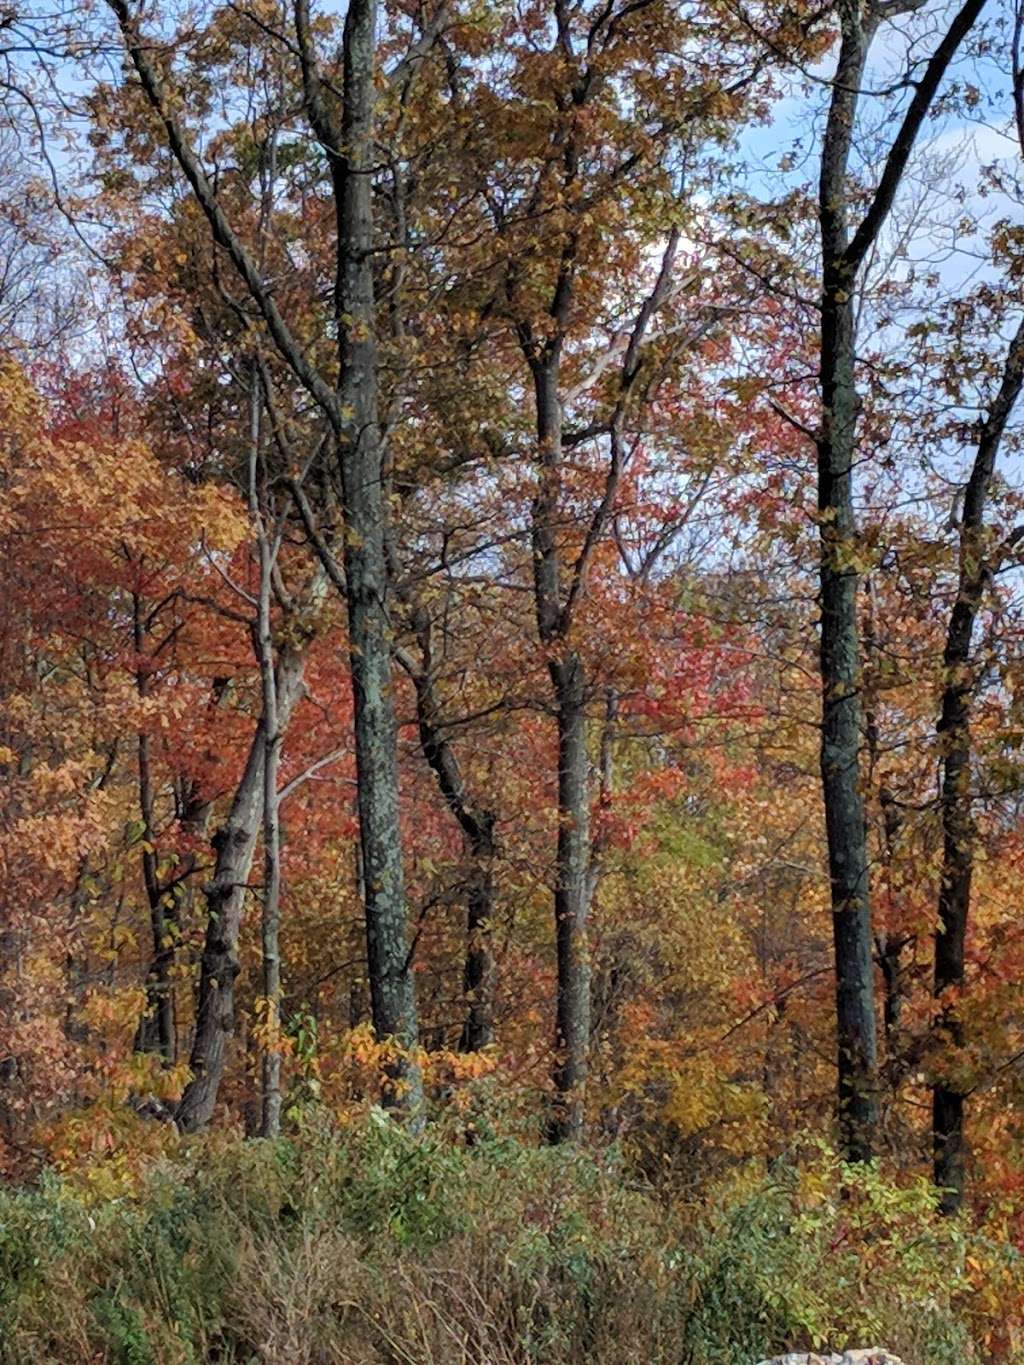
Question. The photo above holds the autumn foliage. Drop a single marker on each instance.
(511, 671)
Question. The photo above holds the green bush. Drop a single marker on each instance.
(835, 1255)
(365, 1246)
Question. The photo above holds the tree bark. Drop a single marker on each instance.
(843, 253)
(271, 919)
(569, 685)
(976, 564)
(155, 1033)
(841, 720)
(235, 845)
(572, 901)
(268, 542)
(392, 986)
(351, 408)
(477, 826)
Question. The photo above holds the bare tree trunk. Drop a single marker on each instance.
(572, 902)
(392, 986)
(569, 685)
(350, 406)
(271, 921)
(155, 1032)
(268, 538)
(477, 825)
(843, 253)
(559, 579)
(977, 562)
(349, 150)
(840, 652)
(235, 845)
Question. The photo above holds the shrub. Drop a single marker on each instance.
(831, 1254)
(360, 1245)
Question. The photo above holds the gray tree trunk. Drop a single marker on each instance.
(843, 253)
(572, 901)
(569, 685)
(235, 845)
(841, 722)
(978, 559)
(350, 406)
(392, 987)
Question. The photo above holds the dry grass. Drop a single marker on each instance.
(370, 1248)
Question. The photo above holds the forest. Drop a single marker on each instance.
(511, 681)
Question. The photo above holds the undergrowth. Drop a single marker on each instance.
(360, 1245)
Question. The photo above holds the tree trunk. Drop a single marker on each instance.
(842, 256)
(477, 825)
(839, 645)
(351, 408)
(155, 1033)
(178, 896)
(977, 562)
(271, 921)
(572, 902)
(392, 987)
(235, 845)
(569, 685)
(479, 971)
(268, 540)
(841, 731)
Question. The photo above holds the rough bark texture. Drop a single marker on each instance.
(477, 825)
(843, 254)
(977, 561)
(271, 920)
(235, 845)
(268, 542)
(840, 653)
(392, 989)
(572, 901)
(351, 408)
(568, 679)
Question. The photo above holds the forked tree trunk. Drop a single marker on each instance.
(350, 406)
(235, 845)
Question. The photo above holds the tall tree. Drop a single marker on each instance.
(349, 403)
(844, 249)
(979, 557)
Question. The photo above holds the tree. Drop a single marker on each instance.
(350, 407)
(843, 252)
